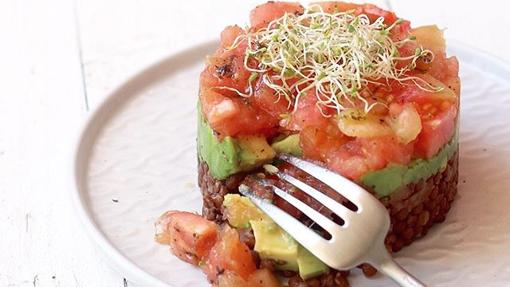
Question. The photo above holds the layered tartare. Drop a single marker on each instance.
(351, 87)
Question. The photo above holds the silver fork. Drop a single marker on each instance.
(359, 240)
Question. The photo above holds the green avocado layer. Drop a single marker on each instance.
(232, 155)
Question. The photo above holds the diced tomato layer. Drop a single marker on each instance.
(263, 14)
(189, 235)
(226, 81)
(229, 254)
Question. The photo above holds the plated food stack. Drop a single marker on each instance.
(349, 86)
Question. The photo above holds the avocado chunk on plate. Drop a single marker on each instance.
(272, 242)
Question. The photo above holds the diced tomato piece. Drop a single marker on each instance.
(354, 158)
(232, 116)
(400, 31)
(430, 37)
(229, 35)
(350, 166)
(438, 111)
(443, 68)
(453, 66)
(265, 99)
(411, 93)
(226, 70)
(230, 279)
(373, 12)
(263, 278)
(189, 235)
(308, 114)
(309, 139)
(229, 254)
(216, 107)
(263, 14)
(436, 132)
(337, 6)
(451, 77)
(379, 152)
(260, 278)
(317, 142)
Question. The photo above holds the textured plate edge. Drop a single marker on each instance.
(84, 138)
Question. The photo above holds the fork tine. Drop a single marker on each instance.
(300, 232)
(342, 211)
(340, 184)
(314, 215)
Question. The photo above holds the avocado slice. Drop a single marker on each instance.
(309, 265)
(254, 151)
(272, 242)
(289, 145)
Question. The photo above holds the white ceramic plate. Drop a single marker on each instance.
(136, 159)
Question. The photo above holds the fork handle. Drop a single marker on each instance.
(383, 261)
(399, 274)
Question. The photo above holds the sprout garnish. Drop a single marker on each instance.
(337, 54)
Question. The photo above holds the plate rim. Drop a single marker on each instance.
(83, 142)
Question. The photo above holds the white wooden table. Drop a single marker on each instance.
(60, 58)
